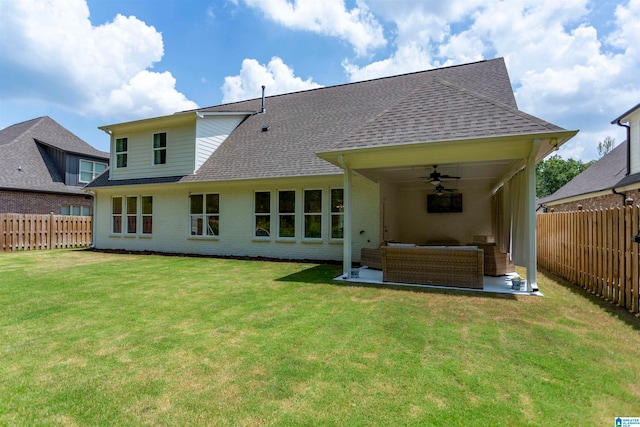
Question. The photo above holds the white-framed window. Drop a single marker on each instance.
(262, 214)
(337, 213)
(90, 169)
(204, 211)
(312, 214)
(147, 214)
(160, 148)
(116, 215)
(121, 152)
(75, 210)
(287, 214)
(132, 214)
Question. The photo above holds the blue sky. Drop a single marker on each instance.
(88, 63)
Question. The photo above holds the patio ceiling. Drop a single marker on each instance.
(472, 174)
(480, 162)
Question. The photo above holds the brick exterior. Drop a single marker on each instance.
(602, 202)
(39, 203)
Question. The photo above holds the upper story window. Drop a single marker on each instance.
(121, 152)
(160, 148)
(89, 170)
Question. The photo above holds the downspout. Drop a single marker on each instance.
(628, 147)
(624, 196)
(346, 238)
(94, 219)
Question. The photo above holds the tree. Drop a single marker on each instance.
(554, 172)
(605, 146)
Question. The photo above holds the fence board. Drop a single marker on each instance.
(594, 249)
(41, 232)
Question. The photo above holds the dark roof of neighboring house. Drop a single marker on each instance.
(472, 100)
(606, 173)
(24, 163)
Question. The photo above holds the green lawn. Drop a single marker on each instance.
(92, 339)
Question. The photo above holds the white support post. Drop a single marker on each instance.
(346, 241)
(530, 218)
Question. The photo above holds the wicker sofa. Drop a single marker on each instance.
(456, 266)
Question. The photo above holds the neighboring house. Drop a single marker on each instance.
(609, 181)
(322, 173)
(43, 168)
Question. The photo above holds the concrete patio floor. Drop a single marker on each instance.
(499, 285)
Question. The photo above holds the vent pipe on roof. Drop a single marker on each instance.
(263, 110)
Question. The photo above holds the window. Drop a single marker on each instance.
(121, 152)
(147, 214)
(160, 148)
(313, 214)
(337, 213)
(137, 211)
(75, 210)
(132, 214)
(205, 211)
(287, 214)
(116, 215)
(89, 170)
(262, 214)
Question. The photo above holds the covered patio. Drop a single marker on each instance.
(495, 177)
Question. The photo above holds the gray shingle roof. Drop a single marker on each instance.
(24, 163)
(604, 174)
(471, 100)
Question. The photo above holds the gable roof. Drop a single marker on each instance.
(24, 162)
(464, 101)
(604, 174)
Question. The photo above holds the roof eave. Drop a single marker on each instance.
(503, 147)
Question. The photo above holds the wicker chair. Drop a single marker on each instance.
(461, 266)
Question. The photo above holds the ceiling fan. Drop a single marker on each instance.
(436, 177)
(440, 190)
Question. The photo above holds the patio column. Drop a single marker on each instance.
(346, 239)
(530, 217)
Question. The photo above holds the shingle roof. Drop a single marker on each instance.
(604, 174)
(25, 165)
(472, 100)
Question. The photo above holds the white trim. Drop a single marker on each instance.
(293, 238)
(154, 149)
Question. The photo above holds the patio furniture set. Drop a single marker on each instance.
(451, 265)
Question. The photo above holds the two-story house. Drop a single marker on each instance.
(609, 182)
(320, 174)
(43, 168)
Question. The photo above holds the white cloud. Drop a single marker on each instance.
(327, 17)
(276, 76)
(562, 67)
(84, 68)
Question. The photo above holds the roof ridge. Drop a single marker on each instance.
(35, 123)
(497, 103)
(348, 83)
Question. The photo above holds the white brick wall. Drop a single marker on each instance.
(171, 219)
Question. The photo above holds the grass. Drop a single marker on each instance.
(96, 339)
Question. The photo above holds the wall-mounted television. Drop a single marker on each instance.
(444, 203)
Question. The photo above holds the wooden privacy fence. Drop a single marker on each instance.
(37, 232)
(595, 250)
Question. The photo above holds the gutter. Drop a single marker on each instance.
(618, 122)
